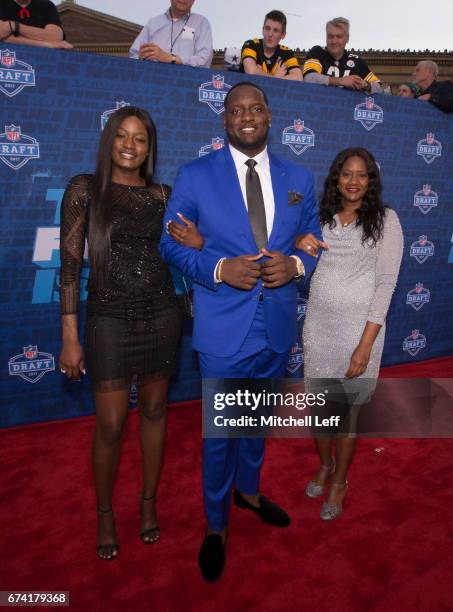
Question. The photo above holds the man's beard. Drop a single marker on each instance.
(249, 145)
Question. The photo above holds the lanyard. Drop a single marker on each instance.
(172, 41)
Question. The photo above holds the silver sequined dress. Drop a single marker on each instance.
(352, 284)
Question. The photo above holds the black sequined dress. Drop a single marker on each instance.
(133, 322)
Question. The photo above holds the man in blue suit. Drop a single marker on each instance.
(249, 206)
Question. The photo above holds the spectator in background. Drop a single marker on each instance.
(336, 66)
(232, 59)
(176, 37)
(266, 57)
(407, 90)
(31, 22)
(439, 93)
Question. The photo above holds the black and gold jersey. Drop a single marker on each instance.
(319, 60)
(254, 49)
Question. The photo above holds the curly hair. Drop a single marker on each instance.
(372, 212)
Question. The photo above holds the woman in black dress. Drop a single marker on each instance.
(133, 323)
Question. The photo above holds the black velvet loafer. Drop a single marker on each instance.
(211, 557)
(268, 512)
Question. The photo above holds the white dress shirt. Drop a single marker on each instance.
(192, 38)
(264, 172)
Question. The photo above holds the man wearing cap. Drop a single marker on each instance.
(176, 37)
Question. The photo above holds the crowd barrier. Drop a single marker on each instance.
(53, 107)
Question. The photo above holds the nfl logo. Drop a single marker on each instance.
(296, 359)
(414, 343)
(299, 125)
(430, 138)
(215, 145)
(8, 58)
(218, 81)
(30, 352)
(426, 189)
(368, 113)
(12, 132)
(422, 240)
(418, 297)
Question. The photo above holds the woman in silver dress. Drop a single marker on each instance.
(350, 294)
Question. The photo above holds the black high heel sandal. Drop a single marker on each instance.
(151, 535)
(107, 552)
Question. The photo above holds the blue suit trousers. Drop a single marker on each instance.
(229, 463)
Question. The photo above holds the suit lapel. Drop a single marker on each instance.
(230, 193)
(279, 187)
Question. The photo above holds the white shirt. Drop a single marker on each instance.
(264, 172)
(192, 38)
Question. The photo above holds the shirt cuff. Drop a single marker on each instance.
(217, 280)
(300, 266)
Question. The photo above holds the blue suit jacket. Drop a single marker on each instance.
(208, 192)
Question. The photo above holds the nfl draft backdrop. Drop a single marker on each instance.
(53, 107)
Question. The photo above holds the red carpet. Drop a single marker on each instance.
(442, 367)
(391, 549)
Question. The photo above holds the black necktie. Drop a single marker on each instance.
(255, 205)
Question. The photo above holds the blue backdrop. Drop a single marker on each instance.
(53, 105)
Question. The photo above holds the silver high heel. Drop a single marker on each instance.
(314, 490)
(329, 512)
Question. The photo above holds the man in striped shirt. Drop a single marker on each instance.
(335, 66)
(266, 57)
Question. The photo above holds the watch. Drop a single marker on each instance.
(300, 266)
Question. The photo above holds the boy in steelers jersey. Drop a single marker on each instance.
(266, 57)
(336, 66)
